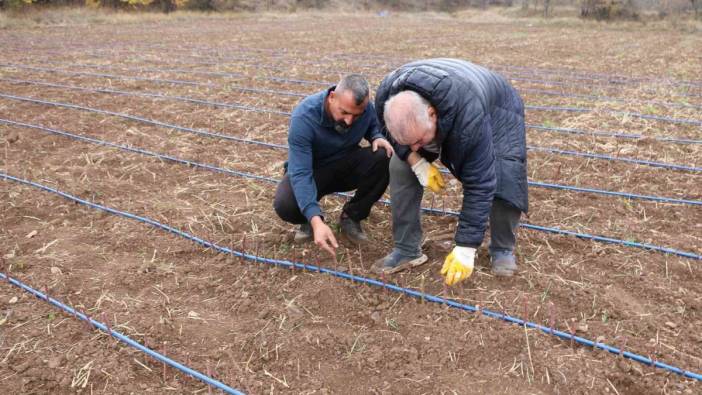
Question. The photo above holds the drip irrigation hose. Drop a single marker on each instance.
(606, 133)
(642, 162)
(606, 98)
(626, 195)
(684, 121)
(528, 107)
(365, 280)
(568, 74)
(538, 72)
(290, 93)
(104, 328)
(670, 166)
(586, 236)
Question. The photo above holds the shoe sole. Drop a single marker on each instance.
(352, 240)
(407, 265)
(503, 272)
(297, 239)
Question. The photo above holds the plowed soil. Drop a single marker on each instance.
(264, 329)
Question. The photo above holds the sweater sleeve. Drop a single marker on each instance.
(373, 131)
(300, 156)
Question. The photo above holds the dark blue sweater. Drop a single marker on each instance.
(314, 143)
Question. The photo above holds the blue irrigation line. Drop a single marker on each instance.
(559, 73)
(607, 98)
(603, 76)
(285, 147)
(104, 328)
(685, 121)
(573, 80)
(590, 155)
(625, 195)
(140, 151)
(577, 77)
(565, 84)
(235, 106)
(154, 80)
(604, 133)
(530, 126)
(365, 280)
(528, 107)
(586, 236)
(291, 93)
(236, 173)
(200, 132)
(671, 166)
(544, 82)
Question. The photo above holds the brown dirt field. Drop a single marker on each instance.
(264, 329)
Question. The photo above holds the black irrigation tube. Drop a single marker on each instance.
(290, 93)
(103, 326)
(382, 58)
(281, 79)
(169, 158)
(237, 106)
(206, 133)
(682, 121)
(607, 98)
(564, 81)
(606, 133)
(595, 77)
(365, 280)
(240, 75)
(571, 78)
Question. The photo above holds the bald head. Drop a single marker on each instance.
(410, 119)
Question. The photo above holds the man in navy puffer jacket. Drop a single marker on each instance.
(473, 120)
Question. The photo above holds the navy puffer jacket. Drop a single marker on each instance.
(480, 129)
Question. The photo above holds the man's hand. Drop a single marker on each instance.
(324, 236)
(428, 175)
(382, 143)
(458, 265)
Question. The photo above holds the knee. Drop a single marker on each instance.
(285, 208)
(398, 167)
(381, 156)
(285, 204)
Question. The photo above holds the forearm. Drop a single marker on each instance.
(316, 221)
(413, 158)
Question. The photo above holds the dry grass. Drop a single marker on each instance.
(85, 16)
(562, 16)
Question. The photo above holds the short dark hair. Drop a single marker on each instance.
(355, 83)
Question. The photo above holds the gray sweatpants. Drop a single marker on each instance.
(406, 194)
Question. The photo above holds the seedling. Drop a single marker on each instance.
(392, 324)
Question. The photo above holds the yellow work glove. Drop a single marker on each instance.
(428, 175)
(458, 265)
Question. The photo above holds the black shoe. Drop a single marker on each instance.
(303, 234)
(352, 230)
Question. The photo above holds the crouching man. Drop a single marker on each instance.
(473, 120)
(325, 157)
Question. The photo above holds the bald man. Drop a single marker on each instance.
(472, 119)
